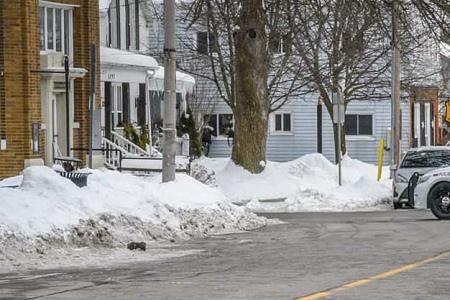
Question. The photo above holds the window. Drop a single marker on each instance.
(206, 42)
(127, 24)
(278, 43)
(117, 105)
(109, 41)
(223, 124)
(282, 122)
(136, 25)
(58, 29)
(358, 124)
(55, 24)
(118, 27)
(42, 26)
(426, 159)
(50, 27)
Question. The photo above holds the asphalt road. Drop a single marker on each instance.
(376, 255)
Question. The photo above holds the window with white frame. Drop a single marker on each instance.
(358, 124)
(222, 125)
(282, 122)
(56, 27)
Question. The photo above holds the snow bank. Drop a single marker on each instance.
(48, 210)
(309, 183)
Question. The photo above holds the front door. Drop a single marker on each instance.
(423, 125)
(59, 125)
(117, 106)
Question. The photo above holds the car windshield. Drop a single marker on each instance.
(426, 159)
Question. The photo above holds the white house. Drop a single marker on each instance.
(132, 83)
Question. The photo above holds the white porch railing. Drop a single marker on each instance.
(113, 154)
(128, 146)
(120, 153)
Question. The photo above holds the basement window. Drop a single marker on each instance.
(56, 27)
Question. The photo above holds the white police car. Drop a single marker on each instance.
(433, 191)
(417, 161)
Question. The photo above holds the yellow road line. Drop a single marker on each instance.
(364, 281)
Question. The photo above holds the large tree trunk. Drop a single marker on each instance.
(252, 104)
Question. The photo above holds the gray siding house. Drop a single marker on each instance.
(368, 122)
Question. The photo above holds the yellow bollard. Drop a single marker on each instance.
(380, 159)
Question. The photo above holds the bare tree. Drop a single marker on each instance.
(345, 44)
(340, 49)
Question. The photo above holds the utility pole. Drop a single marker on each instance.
(169, 129)
(396, 101)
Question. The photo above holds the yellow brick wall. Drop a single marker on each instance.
(20, 86)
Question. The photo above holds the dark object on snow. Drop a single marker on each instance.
(68, 163)
(68, 167)
(137, 245)
(71, 166)
(80, 179)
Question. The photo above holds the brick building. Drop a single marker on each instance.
(35, 35)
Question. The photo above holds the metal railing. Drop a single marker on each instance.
(129, 147)
(112, 154)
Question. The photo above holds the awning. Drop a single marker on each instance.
(115, 57)
(185, 82)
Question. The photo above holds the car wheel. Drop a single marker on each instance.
(440, 200)
(397, 205)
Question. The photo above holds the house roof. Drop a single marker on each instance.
(118, 57)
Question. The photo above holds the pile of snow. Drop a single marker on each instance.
(309, 183)
(111, 56)
(48, 210)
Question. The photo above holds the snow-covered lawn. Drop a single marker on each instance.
(309, 183)
(47, 221)
(48, 212)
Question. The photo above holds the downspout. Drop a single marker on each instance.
(149, 75)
